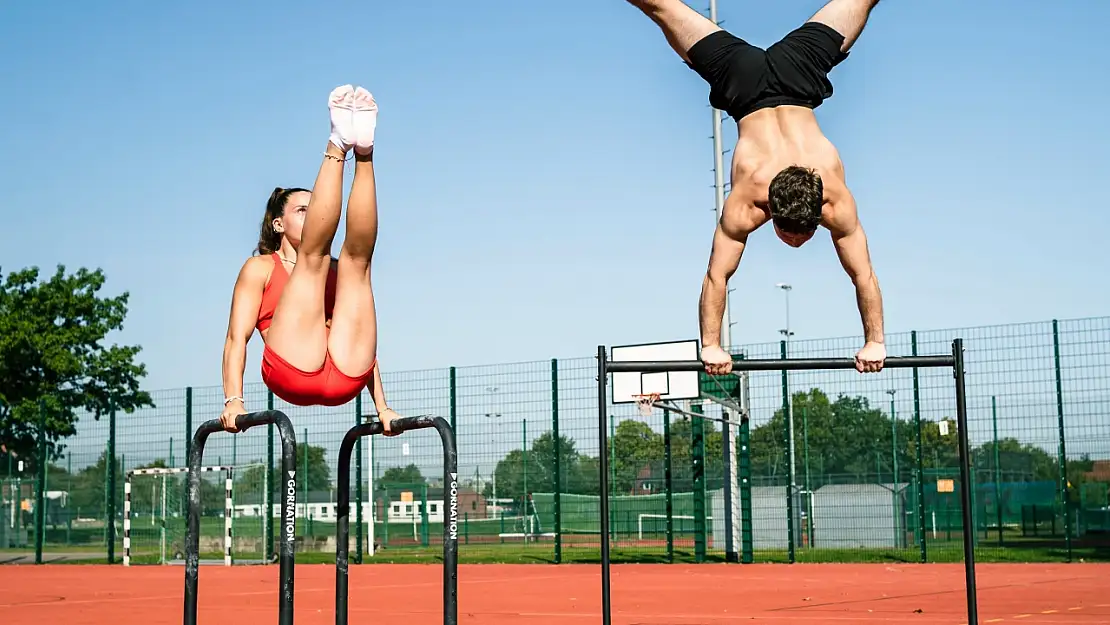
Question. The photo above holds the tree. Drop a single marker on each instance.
(635, 447)
(403, 476)
(319, 475)
(1017, 461)
(846, 437)
(89, 484)
(535, 470)
(682, 450)
(52, 349)
(541, 462)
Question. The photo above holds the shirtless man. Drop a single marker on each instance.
(783, 168)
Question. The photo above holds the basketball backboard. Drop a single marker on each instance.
(673, 385)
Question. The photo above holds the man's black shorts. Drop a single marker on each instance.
(744, 78)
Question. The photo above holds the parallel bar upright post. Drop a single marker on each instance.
(450, 525)
(358, 484)
(288, 517)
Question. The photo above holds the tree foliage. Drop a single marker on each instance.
(52, 350)
(408, 476)
(253, 479)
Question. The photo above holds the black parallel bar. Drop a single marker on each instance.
(450, 529)
(289, 510)
(603, 370)
(965, 482)
(787, 364)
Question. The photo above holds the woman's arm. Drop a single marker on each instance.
(377, 392)
(245, 302)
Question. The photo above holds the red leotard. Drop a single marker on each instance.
(327, 386)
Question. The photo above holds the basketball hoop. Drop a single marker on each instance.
(645, 402)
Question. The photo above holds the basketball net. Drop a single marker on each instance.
(646, 402)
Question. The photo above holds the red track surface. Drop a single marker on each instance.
(544, 595)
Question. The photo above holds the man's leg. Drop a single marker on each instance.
(847, 17)
(681, 25)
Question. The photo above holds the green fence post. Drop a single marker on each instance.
(269, 551)
(524, 463)
(806, 484)
(668, 486)
(558, 463)
(921, 529)
(307, 493)
(1063, 461)
(697, 457)
(388, 502)
(997, 470)
(789, 460)
(111, 481)
(69, 488)
(424, 514)
(358, 483)
(40, 490)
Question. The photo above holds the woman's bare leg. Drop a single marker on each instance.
(354, 325)
(298, 333)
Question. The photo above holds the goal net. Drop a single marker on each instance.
(154, 518)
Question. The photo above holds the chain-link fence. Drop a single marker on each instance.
(843, 466)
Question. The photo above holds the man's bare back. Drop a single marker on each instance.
(771, 140)
(784, 169)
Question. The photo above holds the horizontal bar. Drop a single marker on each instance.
(779, 364)
(397, 426)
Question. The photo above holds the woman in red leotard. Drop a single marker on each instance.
(315, 313)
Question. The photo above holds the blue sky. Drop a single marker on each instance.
(545, 169)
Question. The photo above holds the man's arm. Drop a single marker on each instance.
(724, 258)
(851, 247)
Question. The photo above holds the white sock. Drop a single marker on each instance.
(341, 104)
(365, 118)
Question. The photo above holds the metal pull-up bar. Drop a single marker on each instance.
(954, 360)
(450, 525)
(784, 364)
(288, 516)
